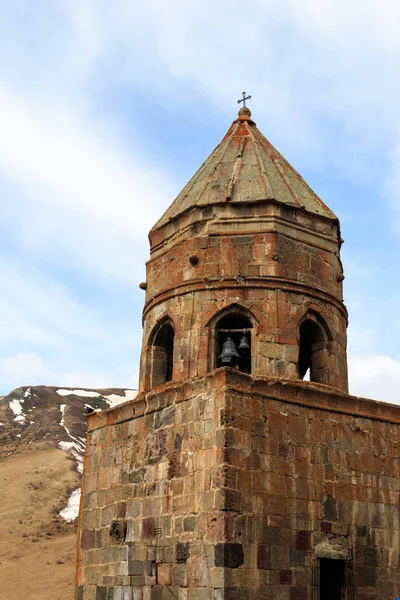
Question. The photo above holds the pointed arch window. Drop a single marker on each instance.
(231, 341)
(313, 349)
(162, 354)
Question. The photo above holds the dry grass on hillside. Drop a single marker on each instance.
(37, 547)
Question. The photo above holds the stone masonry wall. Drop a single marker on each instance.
(226, 487)
(275, 266)
(152, 465)
(310, 474)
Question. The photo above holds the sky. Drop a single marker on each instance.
(108, 107)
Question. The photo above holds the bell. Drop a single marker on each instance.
(244, 344)
(228, 352)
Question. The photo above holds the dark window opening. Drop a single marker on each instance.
(233, 342)
(163, 355)
(332, 580)
(313, 353)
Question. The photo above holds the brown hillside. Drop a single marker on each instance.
(42, 433)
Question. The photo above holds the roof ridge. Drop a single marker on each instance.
(235, 170)
(220, 145)
(262, 165)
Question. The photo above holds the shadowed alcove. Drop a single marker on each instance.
(162, 354)
(313, 349)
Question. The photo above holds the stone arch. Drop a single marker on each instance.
(314, 343)
(253, 312)
(238, 324)
(161, 350)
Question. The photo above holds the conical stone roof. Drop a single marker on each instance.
(245, 168)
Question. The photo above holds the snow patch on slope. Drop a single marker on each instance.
(71, 511)
(62, 408)
(16, 408)
(115, 399)
(88, 394)
(76, 448)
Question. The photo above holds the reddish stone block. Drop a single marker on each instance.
(88, 539)
(303, 540)
(298, 593)
(326, 527)
(263, 561)
(285, 577)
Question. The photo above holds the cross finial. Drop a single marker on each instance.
(244, 98)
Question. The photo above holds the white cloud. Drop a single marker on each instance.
(90, 197)
(376, 377)
(41, 310)
(23, 369)
(80, 192)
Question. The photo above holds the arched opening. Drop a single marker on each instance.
(163, 355)
(313, 351)
(232, 342)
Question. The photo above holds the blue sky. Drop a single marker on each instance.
(108, 108)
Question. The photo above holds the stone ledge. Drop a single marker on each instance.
(293, 391)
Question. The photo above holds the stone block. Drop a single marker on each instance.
(179, 575)
(217, 577)
(200, 594)
(263, 560)
(303, 540)
(164, 574)
(197, 572)
(169, 593)
(298, 593)
(279, 557)
(88, 539)
(297, 557)
(101, 593)
(229, 555)
(280, 592)
(135, 567)
(181, 552)
(127, 592)
(156, 592)
(146, 590)
(189, 523)
(79, 592)
(285, 577)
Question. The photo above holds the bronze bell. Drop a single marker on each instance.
(244, 343)
(228, 352)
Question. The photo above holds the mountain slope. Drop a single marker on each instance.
(42, 440)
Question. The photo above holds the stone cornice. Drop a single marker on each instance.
(290, 391)
(182, 226)
(242, 282)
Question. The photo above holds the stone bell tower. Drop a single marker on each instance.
(263, 480)
(246, 245)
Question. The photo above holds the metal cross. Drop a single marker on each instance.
(244, 99)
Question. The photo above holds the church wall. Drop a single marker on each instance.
(152, 466)
(311, 475)
(232, 488)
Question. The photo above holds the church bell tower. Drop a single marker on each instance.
(243, 470)
(247, 256)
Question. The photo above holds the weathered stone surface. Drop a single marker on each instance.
(233, 517)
